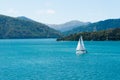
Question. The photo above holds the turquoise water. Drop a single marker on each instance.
(46, 59)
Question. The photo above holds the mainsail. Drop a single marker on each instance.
(80, 45)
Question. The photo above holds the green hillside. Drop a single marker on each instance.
(97, 26)
(111, 34)
(17, 28)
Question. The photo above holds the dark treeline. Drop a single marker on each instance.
(111, 34)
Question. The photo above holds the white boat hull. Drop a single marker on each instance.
(81, 52)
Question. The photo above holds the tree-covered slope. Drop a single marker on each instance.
(24, 18)
(111, 34)
(16, 28)
(97, 26)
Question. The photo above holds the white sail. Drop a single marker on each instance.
(83, 47)
(80, 47)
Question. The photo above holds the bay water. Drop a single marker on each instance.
(47, 59)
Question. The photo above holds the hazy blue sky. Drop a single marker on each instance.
(59, 11)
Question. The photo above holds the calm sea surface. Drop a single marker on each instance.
(47, 59)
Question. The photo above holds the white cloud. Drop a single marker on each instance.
(47, 11)
(50, 11)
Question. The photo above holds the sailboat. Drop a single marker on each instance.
(80, 47)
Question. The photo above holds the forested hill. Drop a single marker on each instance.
(111, 34)
(96, 26)
(17, 28)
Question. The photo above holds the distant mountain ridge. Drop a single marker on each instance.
(68, 25)
(97, 26)
(17, 28)
(23, 27)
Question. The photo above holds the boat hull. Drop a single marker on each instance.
(81, 52)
